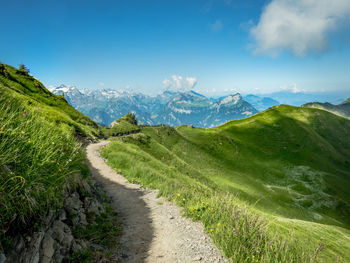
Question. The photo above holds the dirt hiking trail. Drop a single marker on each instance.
(153, 229)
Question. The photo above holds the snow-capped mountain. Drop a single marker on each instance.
(194, 108)
(170, 108)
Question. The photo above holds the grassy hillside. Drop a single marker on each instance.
(40, 154)
(284, 171)
(20, 86)
(37, 162)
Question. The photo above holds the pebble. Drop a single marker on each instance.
(197, 258)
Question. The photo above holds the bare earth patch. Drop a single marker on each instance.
(153, 229)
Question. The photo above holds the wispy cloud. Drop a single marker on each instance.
(292, 88)
(216, 26)
(299, 26)
(179, 83)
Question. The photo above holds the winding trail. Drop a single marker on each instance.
(153, 229)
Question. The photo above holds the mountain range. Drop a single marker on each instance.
(342, 109)
(168, 108)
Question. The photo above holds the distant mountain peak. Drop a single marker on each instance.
(63, 89)
(259, 102)
(235, 98)
(170, 108)
(342, 109)
(347, 101)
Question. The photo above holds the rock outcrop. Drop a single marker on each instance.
(54, 240)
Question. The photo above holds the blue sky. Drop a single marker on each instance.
(215, 47)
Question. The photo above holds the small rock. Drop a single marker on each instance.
(47, 249)
(67, 241)
(73, 204)
(28, 238)
(93, 206)
(49, 217)
(124, 255)
(170, 216)
(82, 219)
(35, 246)
(78, 245)
(63, 215)
(18, 244)
(2, 258)
(197, 258)
(58, 257)
(58, 229)
(97, 246)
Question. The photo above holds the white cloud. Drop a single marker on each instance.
(101, 84)
(292, 88)
(299, 26)
(179, 83)
(216, 26)
(232, 90)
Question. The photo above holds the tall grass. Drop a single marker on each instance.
(37, 161)
(242, 234)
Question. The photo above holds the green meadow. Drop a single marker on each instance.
(269, 188)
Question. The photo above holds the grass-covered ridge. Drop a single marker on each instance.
(31, 93)
(123, 126)
(286, 170)
(342, 109)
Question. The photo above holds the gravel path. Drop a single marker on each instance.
(153, 229)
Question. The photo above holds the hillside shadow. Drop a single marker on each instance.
(134, 215)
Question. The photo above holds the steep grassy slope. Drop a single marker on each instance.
(37, 162)
(288, 165)
(342, 109)
(31, 93)
(40, 154)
